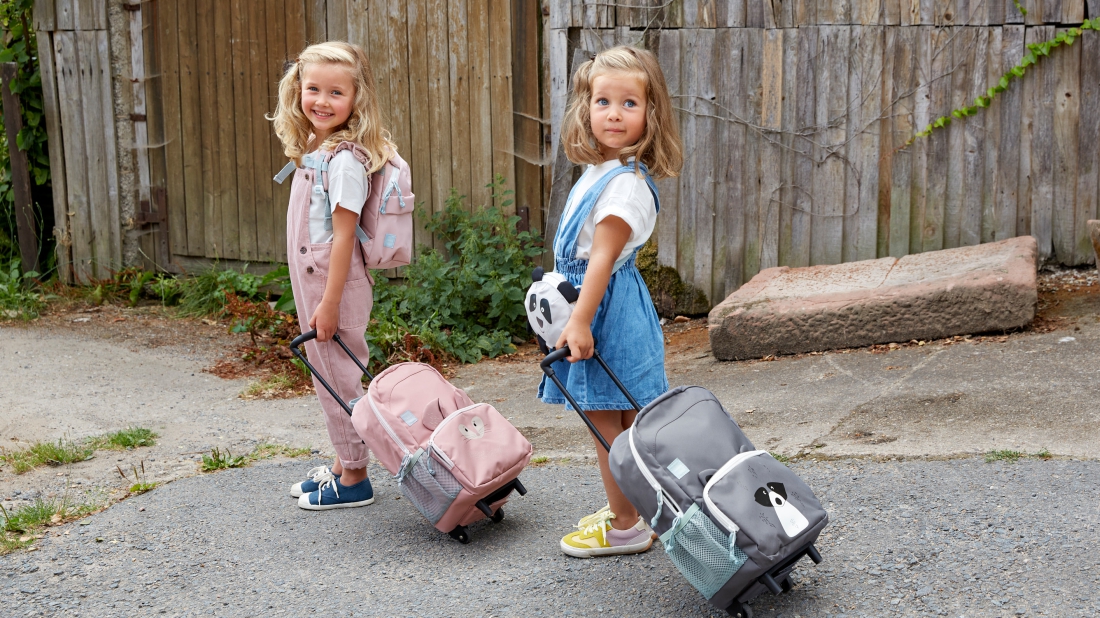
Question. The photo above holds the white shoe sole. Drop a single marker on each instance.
(635, 548)
(303, 502)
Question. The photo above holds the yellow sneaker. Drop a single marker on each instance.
(600, 539)
(603, 514)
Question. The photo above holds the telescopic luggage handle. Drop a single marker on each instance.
(560, 354)
(295, 349)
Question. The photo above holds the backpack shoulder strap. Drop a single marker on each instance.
(322, 179)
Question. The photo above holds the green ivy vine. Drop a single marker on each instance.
(18, 45)
(1034, 52)
(1020, 7)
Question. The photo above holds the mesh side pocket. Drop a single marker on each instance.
(430, 487)
(702, 552)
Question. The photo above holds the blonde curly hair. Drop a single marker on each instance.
(364, 126)
(659, 148)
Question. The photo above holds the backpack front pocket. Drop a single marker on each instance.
(705, 556)
(755, 497)
(428, 485)
(391, 244)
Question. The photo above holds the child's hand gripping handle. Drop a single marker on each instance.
(295, 348)
(560, 354)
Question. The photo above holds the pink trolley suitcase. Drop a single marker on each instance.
(457, 461)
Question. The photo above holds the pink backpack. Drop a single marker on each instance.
(385, 229)
(457, 461)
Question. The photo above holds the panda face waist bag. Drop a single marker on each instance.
(550, 302)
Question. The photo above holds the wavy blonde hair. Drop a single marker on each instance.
(364, 126)
(659, 148)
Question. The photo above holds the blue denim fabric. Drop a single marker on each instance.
(626, 328)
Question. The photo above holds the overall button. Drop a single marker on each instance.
(302, 251)
(309, 269)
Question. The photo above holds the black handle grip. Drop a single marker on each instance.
(560, 354)
(295, 346)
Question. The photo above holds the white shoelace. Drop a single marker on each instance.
(603, 524)
(324, 477)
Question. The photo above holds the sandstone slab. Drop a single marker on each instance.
(784, 310)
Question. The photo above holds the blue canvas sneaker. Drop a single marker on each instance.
(310, 485)
(332, 495)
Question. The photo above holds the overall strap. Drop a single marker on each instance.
(565, 241)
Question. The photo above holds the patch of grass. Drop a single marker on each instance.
(1043, 454)
(267, 450)
(780, 457)
(1004, 455)
(46, 453)
(271, 386)
(538, 461)
(206, 294)
(140, 488)
(22, 525)
(221, 460)
(131, 437)
(20, 298)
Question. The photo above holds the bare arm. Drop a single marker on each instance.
(326, 318)
(608, 242)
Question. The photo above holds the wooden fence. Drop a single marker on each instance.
(204, 74)
(794, 116)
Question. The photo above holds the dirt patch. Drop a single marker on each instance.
(1066, 296)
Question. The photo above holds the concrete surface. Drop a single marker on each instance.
(983, 288)
(958, 538)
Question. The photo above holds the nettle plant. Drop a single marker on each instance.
(1034, 52)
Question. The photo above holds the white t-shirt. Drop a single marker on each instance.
(347, 188)
(626, 196)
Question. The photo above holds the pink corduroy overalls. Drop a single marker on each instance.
(308, 276)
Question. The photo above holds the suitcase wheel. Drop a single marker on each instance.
(739, 610)
(786, 584)
(459, 534)
(498, 516)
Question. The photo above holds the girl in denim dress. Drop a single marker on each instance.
(620, 123)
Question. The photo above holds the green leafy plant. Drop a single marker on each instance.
(19, 45)
(19, 295)
(1020, 7)
(221, 460)
(1034, 52)
(47, 454)
(465, 301)
(131, 437)
(781, 458)
(139, 484)
(280, 279)
(1004, 455)
(207, 293)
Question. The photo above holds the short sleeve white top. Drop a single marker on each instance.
(347, 188)
(627, 197)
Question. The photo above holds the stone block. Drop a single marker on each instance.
(990, 287)
(1094, 234)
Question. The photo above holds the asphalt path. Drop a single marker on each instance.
(927, 538)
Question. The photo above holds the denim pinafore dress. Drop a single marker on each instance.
(626, 328)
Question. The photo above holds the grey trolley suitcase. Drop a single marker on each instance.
(732, 519)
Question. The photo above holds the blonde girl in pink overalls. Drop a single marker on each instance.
(329, 123)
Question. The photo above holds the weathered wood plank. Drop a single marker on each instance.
(993, 144)
(668, 55)
(44, 17)
(439, 103)
(64, 14)
(260, 61)
(728, 218)
(805, 13)
(1073, 11)
(483, 106)
(399, 76)
(526, 127)
(754, 14)
(503, 143)
(419, 154)
(830, 205)
(51, 82)
(1051, 11)
(1012, 14)
(561, 14)
(974, 142)
(1042, 78)
(459, 73)
(336, 20)
(1088, 157)
(245, 164)
(936, 162)
(208, 128)
(698, 70)
(962, 56)
(67, 58)
(84, 15)
(891, 12)
(899, 94)
(731, 13)
(864, 127)
(752, 44)
(788, 125)
(1066, 64)
(225, 152)
(190, 141)
(802, 146)
(1008, 168)
(316, 21)
(870, 12)
(771, 147)
(95, 152)
(686, 236)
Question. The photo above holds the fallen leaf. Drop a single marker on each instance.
(119, 319)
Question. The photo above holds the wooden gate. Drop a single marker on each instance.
(444, 79)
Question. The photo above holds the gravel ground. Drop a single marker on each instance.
(954, 538)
